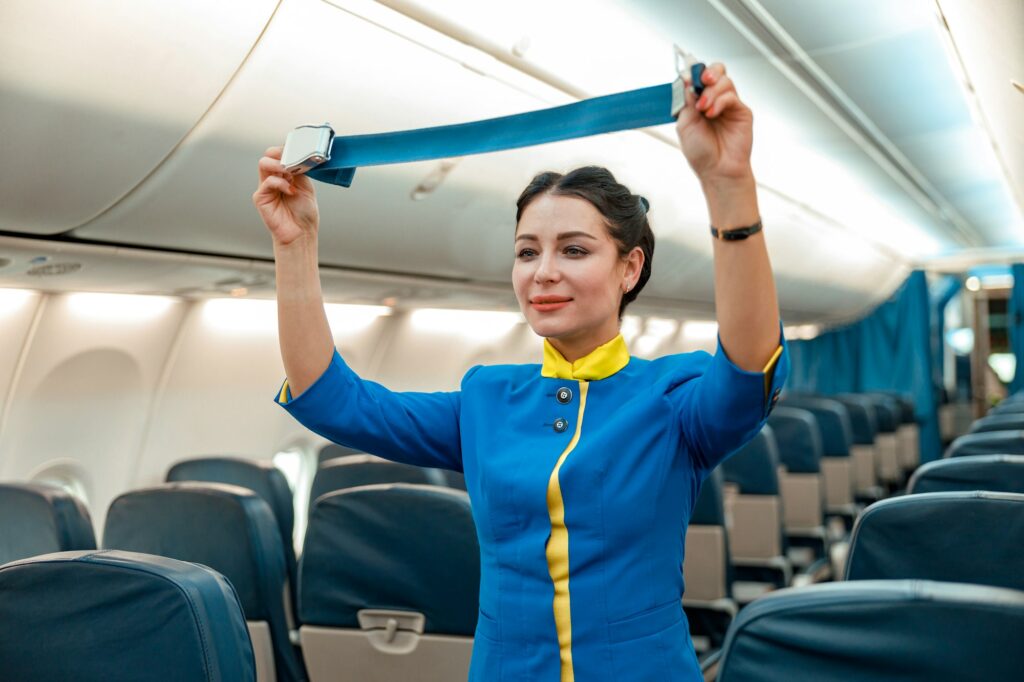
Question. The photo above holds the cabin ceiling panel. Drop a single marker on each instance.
(94, 95)
(200, 198)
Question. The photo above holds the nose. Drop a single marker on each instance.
(547, 269)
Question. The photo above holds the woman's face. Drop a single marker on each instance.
(568, 275)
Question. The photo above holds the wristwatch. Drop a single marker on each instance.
(736, 234)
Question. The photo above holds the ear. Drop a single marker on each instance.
(634, 261)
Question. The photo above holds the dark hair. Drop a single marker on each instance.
(625, 213)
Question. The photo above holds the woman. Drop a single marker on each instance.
(583, 471)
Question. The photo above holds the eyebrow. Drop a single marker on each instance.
(563, 235)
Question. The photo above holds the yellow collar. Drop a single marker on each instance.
(600, 363)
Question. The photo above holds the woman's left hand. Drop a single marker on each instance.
(716, 130)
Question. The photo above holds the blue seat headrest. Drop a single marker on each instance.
(1008, 407)
(799, 439)
(833, 422)
(877, 629)
(92, 616)
(987, 443)
(392, 546)
(888, 411)
(333, 451)
(999, 422)
(863, 417)
(354, 471)
(709, 508)
(755, 466)
(967, 537)
(264, 479)
(40, 519)
(226, 527)
(998, 473)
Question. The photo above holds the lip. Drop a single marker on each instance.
(547, 304)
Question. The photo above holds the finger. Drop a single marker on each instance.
(271, 189)
(724, 103)
(714, 92)
(713, 73)
(271, 166)
(274, 152)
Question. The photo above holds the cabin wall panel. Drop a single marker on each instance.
(17, 310)
(83, 395)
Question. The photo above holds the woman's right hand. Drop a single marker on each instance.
(286, 202)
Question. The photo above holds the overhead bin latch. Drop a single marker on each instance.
(687, 66)
(307, 147)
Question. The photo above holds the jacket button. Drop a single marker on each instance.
(564, 395)
(560, 425)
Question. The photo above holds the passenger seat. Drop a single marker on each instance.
(39, 519)
(389, 586)
(359, 470)
(99, 616)
(231, 530)
(998, 473)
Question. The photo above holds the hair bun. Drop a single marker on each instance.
(646, 204)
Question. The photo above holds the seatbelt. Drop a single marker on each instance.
(327, 158)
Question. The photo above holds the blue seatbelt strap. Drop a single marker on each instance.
(622, 111)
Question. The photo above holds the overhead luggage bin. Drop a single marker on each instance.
(389, 589)
(987, 443)
(966, 537)
(234, 532)
(882, 630)
(41, 519)
(264, 479)
(997, 473)
(98, 616)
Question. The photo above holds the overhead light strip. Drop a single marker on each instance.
(761, 30)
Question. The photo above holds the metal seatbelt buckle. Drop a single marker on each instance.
(686, 66)
(306, 147)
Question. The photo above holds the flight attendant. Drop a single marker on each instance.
(582, 470)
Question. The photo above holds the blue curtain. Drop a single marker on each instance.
(889, 350)
(1016, 324)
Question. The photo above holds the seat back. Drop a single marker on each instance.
(836, 440)
(987, 443)
(264, 479)
(966, 537)
(888, 631)
(333, 451)
(752, 501)
(999, 422)
(889, 415)
(95, 616)
(1008, 407)
(803, 489)
(231, 530)
(865, 427)
(41, 519)
(390, 577)
(354, 471)
(997, 473)
(707, 567)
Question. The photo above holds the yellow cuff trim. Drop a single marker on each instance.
(769, 371)
(283, 398)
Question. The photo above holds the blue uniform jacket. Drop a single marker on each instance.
(582, 478)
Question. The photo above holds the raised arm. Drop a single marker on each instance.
(716, 134)
(287, 205)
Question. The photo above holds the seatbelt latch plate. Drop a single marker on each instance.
(307, 147)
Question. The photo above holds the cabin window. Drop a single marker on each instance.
(298, 464)
(63, 475)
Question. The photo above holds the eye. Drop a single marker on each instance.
(525, 253)
(575, 250)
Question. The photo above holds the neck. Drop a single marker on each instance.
(574, 347)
